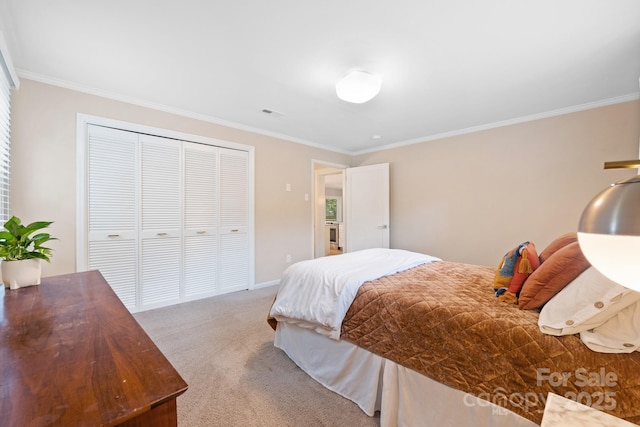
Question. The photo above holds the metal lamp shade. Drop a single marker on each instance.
(609, 232)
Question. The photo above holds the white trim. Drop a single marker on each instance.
(503, 123)
(328, 164)
(167, 109)
(82, 123)
(252, 229)
(266, 284)
(210, 119)
(82, 220)
(87, 119)
(315, 162)
(7, 64)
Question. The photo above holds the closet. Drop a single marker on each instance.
(166, 220)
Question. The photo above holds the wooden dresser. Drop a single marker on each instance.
(71, 354)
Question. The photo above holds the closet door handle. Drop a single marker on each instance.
(111, 236)
(235, 230)
(161, 234)
(200, 232)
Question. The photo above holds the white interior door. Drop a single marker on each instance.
(112, 202)
(200, 235)
(366, 203)
(160, 221)
(233, 261)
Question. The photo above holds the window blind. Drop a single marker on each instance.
(5, 146)
(8, 81)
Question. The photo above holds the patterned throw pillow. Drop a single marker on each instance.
(513, 270)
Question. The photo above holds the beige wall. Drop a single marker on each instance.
(472, 197)
(467, 198)
(43, 182)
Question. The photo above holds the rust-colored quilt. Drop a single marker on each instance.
(443, 321)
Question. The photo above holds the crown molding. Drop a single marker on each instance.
(218, 121)
(167, 109)
(509, 122)
(7, 65)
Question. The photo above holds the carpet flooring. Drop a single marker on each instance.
(223, 348)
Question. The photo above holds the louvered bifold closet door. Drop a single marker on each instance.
(112, 209)
(160, 221)
(200, 220)
(234, 220)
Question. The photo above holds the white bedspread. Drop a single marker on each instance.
(317, 293)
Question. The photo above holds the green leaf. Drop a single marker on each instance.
(12, 225)
(5, 235)
(16, 242)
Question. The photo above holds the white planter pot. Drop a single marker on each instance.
(18, 274)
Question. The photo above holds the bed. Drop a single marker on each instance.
(426, 342)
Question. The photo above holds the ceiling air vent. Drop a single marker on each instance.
(272, 113)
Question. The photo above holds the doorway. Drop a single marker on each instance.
(350, 208)
(328, 234)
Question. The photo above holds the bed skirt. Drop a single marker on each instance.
(403, 396)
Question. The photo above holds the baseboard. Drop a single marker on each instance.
(266, 284)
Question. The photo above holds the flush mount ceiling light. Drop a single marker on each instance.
(358, 87)
(609, 229)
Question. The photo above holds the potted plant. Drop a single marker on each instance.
(21, 252)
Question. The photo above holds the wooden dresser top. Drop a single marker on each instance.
(72, 354)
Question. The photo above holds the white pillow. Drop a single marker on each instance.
(619, 334)
(585, 303)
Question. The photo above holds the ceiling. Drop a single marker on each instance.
(448, 66)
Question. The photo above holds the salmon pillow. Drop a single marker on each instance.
(552, 276)
(513, 270)
(557, 244)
